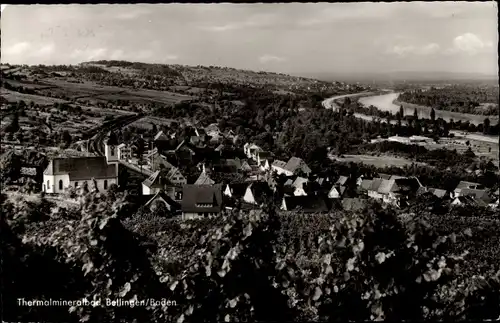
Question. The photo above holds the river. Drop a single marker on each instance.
(385, 102)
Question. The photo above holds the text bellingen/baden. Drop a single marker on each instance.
(94, 303)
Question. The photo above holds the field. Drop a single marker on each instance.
(13, 96)
(377, 161)
(147, 122)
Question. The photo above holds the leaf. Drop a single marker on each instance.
(93, 242)
(227, 318)
(173, 285)
(180, 319)
(87, 267)
(103, 223)
(380, 257)
(248, 230)
(222, 273)
(317, 293)
(233, 302)
(350, 264)
(125, 289)
(208, 271)
(468, 232)
(328, 270)
(328, 259)
(189, 311)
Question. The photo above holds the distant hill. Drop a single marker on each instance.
(404, 76)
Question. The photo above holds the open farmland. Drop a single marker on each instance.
(148, 121)
(13, 96)
(377, 161)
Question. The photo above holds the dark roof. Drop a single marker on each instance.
(161, 136)
(407, 184)
(375, 184)
(201, 194)
(238, 189)
(264, 154)
(82, 168)
(306, 203)
(476, 194)
(260, 191)
(437, 192)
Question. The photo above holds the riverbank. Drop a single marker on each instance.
(425, 112)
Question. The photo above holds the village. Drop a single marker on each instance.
(254, 179)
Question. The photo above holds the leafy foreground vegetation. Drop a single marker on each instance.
(369, 265)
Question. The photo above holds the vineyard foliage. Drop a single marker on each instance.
(260, 265)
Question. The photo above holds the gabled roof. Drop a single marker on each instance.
(342, 180)
(410, 184)
(264, 154)
(161, 136)
(279, 163)
(121, 145)
(155, 180)
(295, 163)
(192, 195)
(260, 191)
(238, 189)
(476, 194)
(465, 184)
(375, 184)
(384, 176)
(161, 195)
(82, 168)
(204, 179)
(366, 184)
(172, 172)
(437, 192)
(299, 182)
(306, 203)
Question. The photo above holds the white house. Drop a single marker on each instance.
(62, 173)
(291, 167)
(336, 192)
(124, 152)
(298, 184)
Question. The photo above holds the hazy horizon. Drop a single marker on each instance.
(298, 39)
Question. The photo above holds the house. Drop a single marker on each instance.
(495, 204)
(175, 177)
(476, 194)
(161, 197)
(111, 153)
(236, 190)
(298, 185)
(245, 167)
(439, 193)
(251, 150)
(292, 167)
(204, 179)
(154, 183)
(124, 152)
(62, 173)
(213, 130)
(467, 200)
(161, 140)
(199, 201)
(257, 193)
(336, 192)
(393, 190)
(466, 185)
(308, 204)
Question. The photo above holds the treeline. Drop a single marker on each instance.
(457, 98)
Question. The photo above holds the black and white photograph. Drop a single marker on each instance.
(250, 162)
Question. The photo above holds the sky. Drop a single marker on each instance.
(289, 38)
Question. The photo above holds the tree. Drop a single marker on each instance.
(401, 112)
(139, 152)
(486, 126)
(433, 115)
(415, 114)
(13, 127)
(66, 138)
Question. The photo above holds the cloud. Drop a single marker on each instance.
(18, 48)
(45, 51)
(270, 58)
(117, 54)
(347, 11)
(171, 57)
(254, 21)
(88, 54)
(403, 50)
(469, 43)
